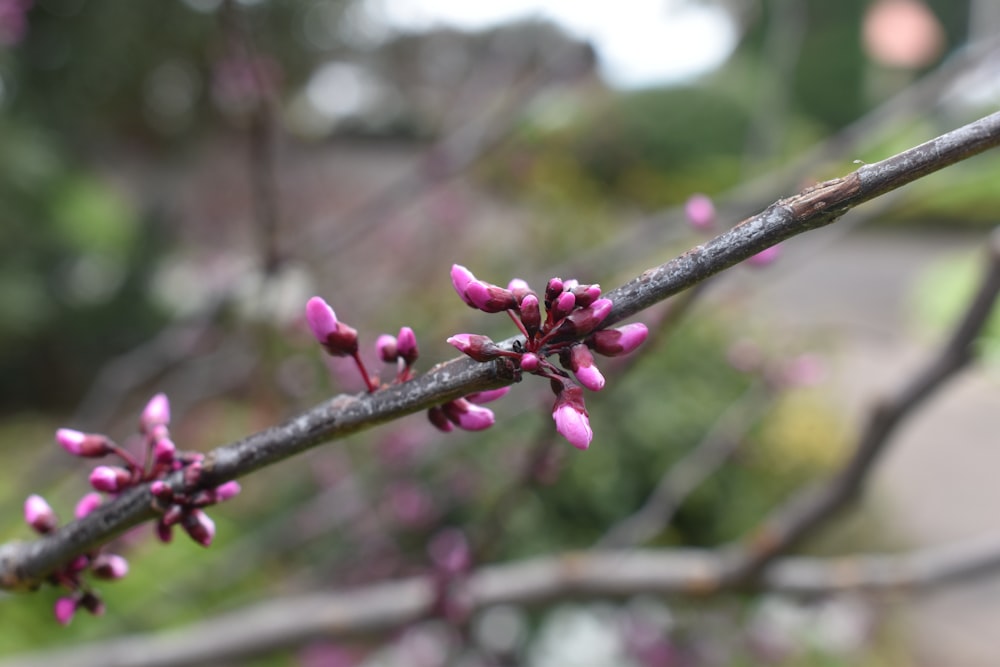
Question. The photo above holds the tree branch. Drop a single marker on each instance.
(25, 565)
(384, 607)
(787, 526)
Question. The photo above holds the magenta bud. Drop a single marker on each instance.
(531, 316)
(615, 342)
(192, 473)
(156, 413)
(39, 515)
(765, 257)
(385, 347)
(79, 564)
(199, 526)
(487, 396)
(109, 566)
(461, 277)
(530, 362)
(89, 445)
(164, 532)
(570, 415)
(586, 295)
(519, 288)
(406, 343)
(573, 425)
(164, 450)
(321, 318)
(161, 490)
(480, 348)
(440, 420)
(581, 362)
(226, 491)
(64, 609)
(700, 212)
(552, 290)
(343, 342)
(87, 504)
(490, 298)
(562, 306)
(110, 479)
(92, 604)
(173, 515)
(586, 319)
(468, 416)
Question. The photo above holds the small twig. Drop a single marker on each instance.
(25, 565)
(787, 526)
(383, 608)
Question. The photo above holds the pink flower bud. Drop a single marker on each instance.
(468, 416)
(562, 306)
(586, 295)
(487, 396)
(109, 566)
(156, 413)
(581, 362)
(440, 420)
(490, 298)
(337, 338)
(226, 491)
(321, 318)
(64, 609)
(586, 319)
(200, 527)
(616, 342)
(161, 490)
(479, 347)
(700, 212)
(385, 347)
(461, 277)
(765, 257)
(530, 362)
(570, 415)
(531, 316)
(109, 479)
(192, 473)
(92, 603)
(87, 504)
(164, 450)
(520, 288)
(39, 515)
(89, 445)
(553, 289)
(407, 345)
(164, 532)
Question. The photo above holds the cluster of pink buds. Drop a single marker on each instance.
(162, 460)
(39, 515)
(341, 340)
(568, 329)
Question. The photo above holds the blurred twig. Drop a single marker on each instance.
(24, 565)
(789, 524)
(385, 607)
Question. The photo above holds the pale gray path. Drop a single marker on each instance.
(941, 479)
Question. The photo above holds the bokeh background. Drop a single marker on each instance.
(177, 178)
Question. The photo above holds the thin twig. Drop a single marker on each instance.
(25, 565)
